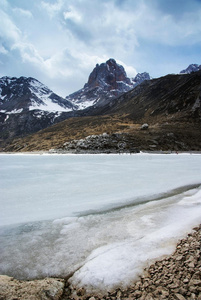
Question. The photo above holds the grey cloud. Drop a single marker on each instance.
(177, 8)
(23, 12)
(79, 30)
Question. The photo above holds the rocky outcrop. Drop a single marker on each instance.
(49, 288)
(110, 76)
(103, 143)
(144, 126)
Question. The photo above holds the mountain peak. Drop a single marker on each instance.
(107, 80)
(140, 77)
(111, 61)
(191, 68)
(107, 75)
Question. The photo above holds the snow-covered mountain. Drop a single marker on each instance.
(27, 106)
(107, 80)
(26, 94)
(191, 68)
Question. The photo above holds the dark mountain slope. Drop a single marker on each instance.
(171, 95)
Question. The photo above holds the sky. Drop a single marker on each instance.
(59, 42)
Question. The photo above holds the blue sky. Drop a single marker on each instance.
(59, 42)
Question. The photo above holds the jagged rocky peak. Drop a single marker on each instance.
(191, 68)
(107, 80)
(108, 75)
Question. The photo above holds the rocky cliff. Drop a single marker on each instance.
(107, 81)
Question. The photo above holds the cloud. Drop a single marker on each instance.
(8, 30)
(72, 14)
(28, 53)
(164, 29)
(23, 12)
(177, 8)
(4, 4)
(59, 42)
(52, 9)
(130, 71)
(3, 50)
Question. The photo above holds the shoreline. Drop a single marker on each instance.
(99, 153)
(177, 276)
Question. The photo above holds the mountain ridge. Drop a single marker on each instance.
(164, 97)
(169, 105)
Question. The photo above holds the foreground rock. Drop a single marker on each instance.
(177, 277)
(49, 288)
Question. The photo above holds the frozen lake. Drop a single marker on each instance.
(101, 217)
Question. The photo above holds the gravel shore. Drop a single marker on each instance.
(177, 277)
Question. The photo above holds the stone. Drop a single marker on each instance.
(161, 292)
(191, 265)
(179, 297)
(195, 282)
(118, 295)
(144, 126)
(48, 288)
(199, 296)
(178, 258)
(149, 297)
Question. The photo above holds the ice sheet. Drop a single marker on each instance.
(110, 246)
(38, 187)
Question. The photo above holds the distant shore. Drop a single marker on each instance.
(105, 153)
